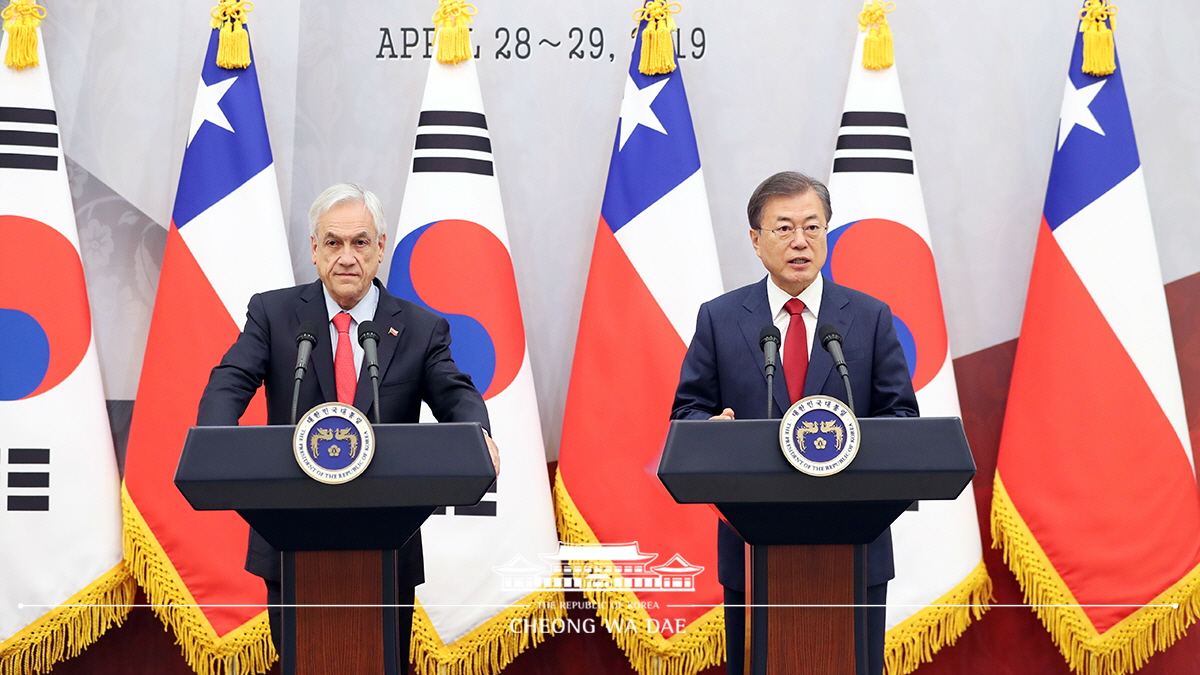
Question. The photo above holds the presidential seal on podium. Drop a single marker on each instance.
(334, 443)
(819, 435)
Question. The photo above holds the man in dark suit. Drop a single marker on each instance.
(723, 371)
(415, 365)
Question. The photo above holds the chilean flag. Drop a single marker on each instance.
(879, 243)
(1095, 501)
(654, 262)
(226, 242)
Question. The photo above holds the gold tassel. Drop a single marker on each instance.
(658, 51)
(233, 47)
(1097, 19)
(877, 46)
(453, 35)
(21, 21)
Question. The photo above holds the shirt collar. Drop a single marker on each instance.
(811, 296)
(363, 311)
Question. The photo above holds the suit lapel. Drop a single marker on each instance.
(313, 309)
(759, 315)
(833, 312)
(387, 319)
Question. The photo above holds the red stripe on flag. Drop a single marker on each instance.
(626, 367)
(1088, 456)
(190, 331)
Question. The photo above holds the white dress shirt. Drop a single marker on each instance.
(811, 297)
(363, 311)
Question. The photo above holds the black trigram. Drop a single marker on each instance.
(28, 139)
(873, 141)
(453, 141)
(485, 507)
(22, 473)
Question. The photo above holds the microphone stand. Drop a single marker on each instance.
(368, 338)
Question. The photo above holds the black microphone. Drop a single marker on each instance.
(306, 339)
(368, 338)
(768, 340)
(832, 341)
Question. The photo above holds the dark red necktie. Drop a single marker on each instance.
(343, 360)
(795, 350)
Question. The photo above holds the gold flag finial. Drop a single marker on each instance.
(658, 52)
(21, 21)
(1097, 20)
(233, 48)
(453, 35)
(877, 46)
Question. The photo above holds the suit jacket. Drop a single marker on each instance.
(724, 369)
(414, 365)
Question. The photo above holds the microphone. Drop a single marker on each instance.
(832, 341)
(768, 340)
(368, 338)
(306, 339)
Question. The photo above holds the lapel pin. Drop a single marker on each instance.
(393, 331)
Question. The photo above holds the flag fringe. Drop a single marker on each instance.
(66, 630)
(21, 21)
(700, 646)
(916, 639)
(246, 649)
(490, 647)
(877, 45)
(1121, 650)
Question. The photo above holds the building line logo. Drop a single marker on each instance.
(599, 567)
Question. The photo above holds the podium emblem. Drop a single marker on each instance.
(819, 435)
(334, 443)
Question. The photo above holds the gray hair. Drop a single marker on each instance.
(785, 184)
(346, 192)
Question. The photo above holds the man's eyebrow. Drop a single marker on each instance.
(363, 234)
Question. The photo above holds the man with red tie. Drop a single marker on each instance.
(724, 371)
(415, 365)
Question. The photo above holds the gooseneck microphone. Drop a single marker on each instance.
(306, 339)
(832, 341)
(368, 338)
(768, 340)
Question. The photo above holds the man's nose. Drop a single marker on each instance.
(346, 255)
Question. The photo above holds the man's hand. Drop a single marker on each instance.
(726, 414)
(493, 451)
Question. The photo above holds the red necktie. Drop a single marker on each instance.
(343, 361)
(795, 350)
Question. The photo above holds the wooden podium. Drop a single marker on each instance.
(806, 571)
(338, 541)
